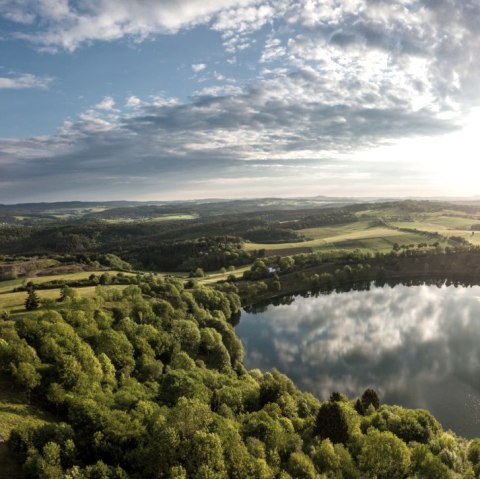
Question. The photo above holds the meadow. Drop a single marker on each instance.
(14, 303)
(16, 411)
(363, 235)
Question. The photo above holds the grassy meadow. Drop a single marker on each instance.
(154, 219)
(16, 411)
(14, 303)
(377, 230)
(8, 286)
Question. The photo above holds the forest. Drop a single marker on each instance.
(149, 382)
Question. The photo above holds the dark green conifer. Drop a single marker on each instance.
(32, 302)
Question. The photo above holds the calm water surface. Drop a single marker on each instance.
(419, 346)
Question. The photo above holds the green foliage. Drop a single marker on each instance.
(150, 383)
(32, 302)
(300, 466)
(409, 425)
(198, 273)
(428, 465)
(68, 293)
(370, 398)
(337, 421)
(383, 456)
(114, 262)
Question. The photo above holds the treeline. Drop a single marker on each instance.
(150, 383)
(93, 280)
(207, 253)
(324, 271)
(322, 219)
(272, 234)
(140, 246)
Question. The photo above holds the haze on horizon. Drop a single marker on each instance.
(183, 99)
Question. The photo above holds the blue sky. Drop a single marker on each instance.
(181, 99)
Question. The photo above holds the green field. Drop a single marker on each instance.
(7, 286)
(359, 235)
(446, 224)
(15, 409)
(214, 277)
(14, 302)
(155, 219)
(15, 412)
(439, 223)
(377, 229)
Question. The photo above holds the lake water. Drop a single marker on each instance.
(418, 346)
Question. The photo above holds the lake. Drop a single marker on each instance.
(418, 346)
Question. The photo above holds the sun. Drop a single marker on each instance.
(441, 165)
(455, 158)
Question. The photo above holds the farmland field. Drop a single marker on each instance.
(6, 286)
(154, 219)
(14, 302)
(15, 412)
(378, 229)
(350, 236)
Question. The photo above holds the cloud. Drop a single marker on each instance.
(331, 81)
(65, 25)
(427, 44)
(272, 51)
(268, 129)
(439, 37)
(430, 47)
(24, 81)
(108, 104)
(133, 102)
(198, 67)
(408, 342)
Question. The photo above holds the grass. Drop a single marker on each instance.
(368, 235)
(155, 219)
(350, 236)
(10, 284)
(16, 412)
(444, 222)
(336, 230)
(451, 222)
(14, 302)
(6, 286)
(380, 244)
(447, 223)
(218, 276)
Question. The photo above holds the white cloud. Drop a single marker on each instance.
(62, 25)
(336, 78)
(133, 102)
(23, 81)
(107, 104)
(198, 67)
(364, 38)
(263, 130)
(272, 51)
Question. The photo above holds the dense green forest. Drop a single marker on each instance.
(149, 382)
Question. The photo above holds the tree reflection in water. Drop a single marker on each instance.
(419, 346)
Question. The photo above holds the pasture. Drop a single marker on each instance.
(359, 235)
(16, 411)
(14, 303)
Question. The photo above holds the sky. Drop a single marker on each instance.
(183, 99)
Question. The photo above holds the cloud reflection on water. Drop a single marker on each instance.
(418, 346)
